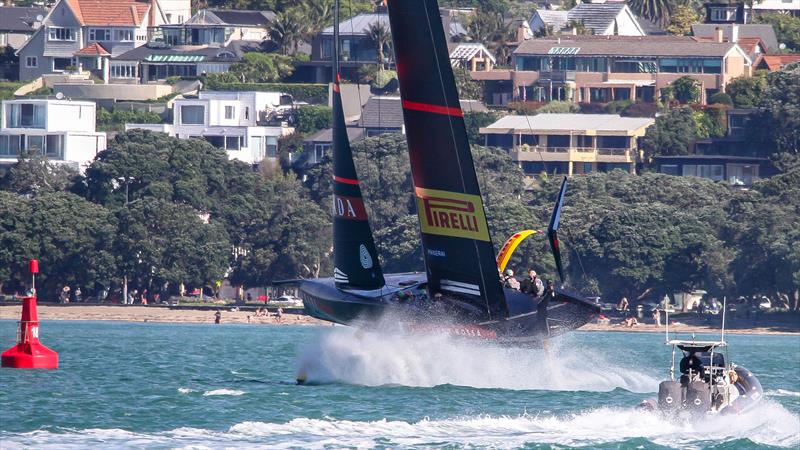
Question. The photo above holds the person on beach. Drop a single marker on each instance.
(279, 314)
(657, 317)
(217, 317)
(623, 305)
(64, 296)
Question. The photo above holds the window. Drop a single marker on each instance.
(723, 14)
(31, 61)
(710, 171)
(230, 112)
(10, 145)
(61, 64)
(25, 115)
(54, 146)
(62, 34)
(193, 114)
(123, 70)
(123, 35)
(36, 144)
(319, 151)
(272, 146)
(99, 34)
(584, 141)
(233, 143)
(669, 169)
(634, 66)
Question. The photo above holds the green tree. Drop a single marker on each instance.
(781, 103)
(559, 107)
(33, 174)
(655, 10)
(474, 120)
(685, 90)
(381, 39)
(287, 31)
(310, 118)
(671, 134)
(161, 244)
(71, 238)
(257, 67)
(787, 29)
(682, 19)
(747, 92)
(467, 88)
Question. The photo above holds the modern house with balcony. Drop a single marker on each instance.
(601, 69)
(356, 47)
(731, 159)
(569, 143)
(61, 130)
(82, 35)
(241, 123)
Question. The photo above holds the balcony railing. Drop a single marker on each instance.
(557, 76)
(527, 152)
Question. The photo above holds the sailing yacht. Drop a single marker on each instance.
(460, 291)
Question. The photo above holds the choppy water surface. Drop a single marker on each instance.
(205, 386)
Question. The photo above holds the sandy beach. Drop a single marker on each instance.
(136, 313)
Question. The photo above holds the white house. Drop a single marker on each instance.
(61, 130)
(241, 123)
(87, 33)
(610, 18)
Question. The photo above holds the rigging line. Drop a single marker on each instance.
(574, 249)
(455, 144)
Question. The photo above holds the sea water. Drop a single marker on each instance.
(147, 385)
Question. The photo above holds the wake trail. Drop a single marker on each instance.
(346, 355)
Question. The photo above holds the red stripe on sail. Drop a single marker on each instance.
(436, 109)
(345, 180)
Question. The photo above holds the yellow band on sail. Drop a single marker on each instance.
(508, 248)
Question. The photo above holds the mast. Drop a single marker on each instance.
(457, 246)
(355, 257)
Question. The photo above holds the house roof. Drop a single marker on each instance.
(763, 31)
(605, 123)
(776, 62)
(110, 12)
(468, 51)
(161, 53)
(387, 112)
(232, 17)
(556, 19)
(19, 19)
(749, 45)
(624, 46)
(359, 25)
(597, 17)
(93, 49)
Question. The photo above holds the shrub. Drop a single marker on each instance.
(561, 107)
(312, 118)
(592, 108)
(640, 110)
(720, 98)
(524, 107)
(617, 106)
(304, 92)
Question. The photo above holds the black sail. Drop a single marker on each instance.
(458, 251)
(355, 258)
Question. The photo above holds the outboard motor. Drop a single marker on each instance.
(698, 397)
(670, 395)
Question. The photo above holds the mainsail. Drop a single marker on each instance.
(355, 258)
(457, 247)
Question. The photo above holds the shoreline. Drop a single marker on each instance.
(163, 314)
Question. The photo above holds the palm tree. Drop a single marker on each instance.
(380, 38)
(317, 14)
(654, 10)
(287, 31)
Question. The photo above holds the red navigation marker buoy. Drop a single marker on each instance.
(29, 353)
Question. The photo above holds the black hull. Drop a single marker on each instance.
(523, 327)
